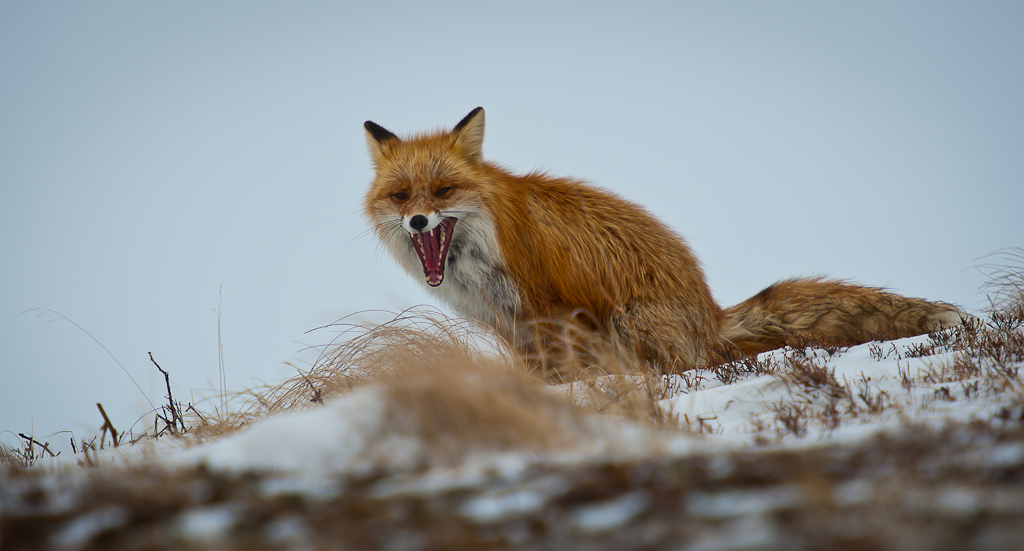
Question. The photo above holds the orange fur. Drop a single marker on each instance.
(532, 254)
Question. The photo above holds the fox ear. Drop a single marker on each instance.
(469, 134)
(376, 137)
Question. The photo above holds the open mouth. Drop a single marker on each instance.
(432, 248)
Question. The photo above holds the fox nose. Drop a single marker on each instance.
(418, 222)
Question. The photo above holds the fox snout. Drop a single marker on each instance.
(421, 222)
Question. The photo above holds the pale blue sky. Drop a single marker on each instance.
(151, 153)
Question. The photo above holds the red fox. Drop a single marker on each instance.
(526, 254)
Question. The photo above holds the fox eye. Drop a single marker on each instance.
(401, 196)
(441, 192)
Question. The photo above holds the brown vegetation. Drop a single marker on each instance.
(954, 486)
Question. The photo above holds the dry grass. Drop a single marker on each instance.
(991, 350)
(437, 366)
(980, 357)
(634, 397)
(955, 488)
(12, 458)
(419, 348)
(360, 354)
(1005, 285)
(459, 376)
(454, 404)
(453, 382)
(459, 390)
(27, 454)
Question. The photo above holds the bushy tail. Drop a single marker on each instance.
(827, 312)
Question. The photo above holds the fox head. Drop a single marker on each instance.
(423, 186)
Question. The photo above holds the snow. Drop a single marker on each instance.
(291, 530)
(491, 508)
(609, 515)
(348, 434)
(739, 503)
(729, 411)
(79, 531)
(852, 493)
(309, 452)
(600, 479)
(207, 524)
(340, 436)
(1005, 456)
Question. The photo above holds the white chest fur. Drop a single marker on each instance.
(476, 283)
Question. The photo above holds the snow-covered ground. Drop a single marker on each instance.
(869, 388)
(874, 387)
(743, 451)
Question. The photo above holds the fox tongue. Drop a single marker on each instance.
(431, 256)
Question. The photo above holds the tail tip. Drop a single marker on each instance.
(946, 317)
